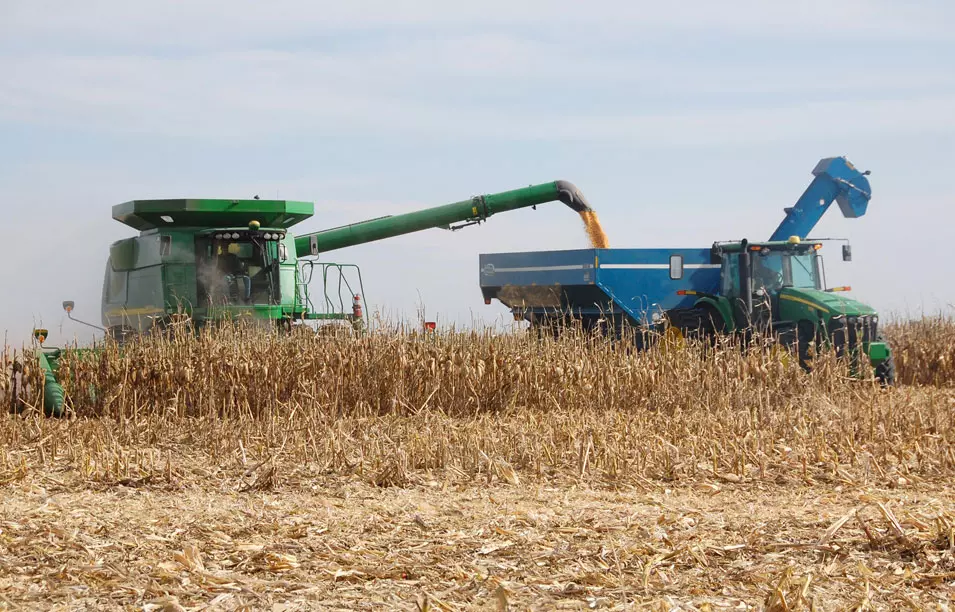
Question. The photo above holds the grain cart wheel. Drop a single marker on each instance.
(712, 324)
(885, 371)
(690, 323)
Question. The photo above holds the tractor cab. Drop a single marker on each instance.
(779, 287)
(756, 277)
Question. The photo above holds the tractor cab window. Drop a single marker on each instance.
(775, 269)
(767, 272)
(804, 271)
(730, 275)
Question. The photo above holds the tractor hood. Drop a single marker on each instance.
(824, 302)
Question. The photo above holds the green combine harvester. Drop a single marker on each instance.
(210, 260)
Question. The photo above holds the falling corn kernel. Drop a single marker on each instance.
(598, 239)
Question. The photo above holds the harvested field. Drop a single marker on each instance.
(468, 471)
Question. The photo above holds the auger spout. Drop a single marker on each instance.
(464, 213)
(836, 179)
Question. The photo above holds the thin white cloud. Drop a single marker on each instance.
(244, 96)
(199, 23)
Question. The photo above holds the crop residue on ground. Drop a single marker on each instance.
(477, 470)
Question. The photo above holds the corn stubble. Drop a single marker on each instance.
(450, 415)
(578, 406)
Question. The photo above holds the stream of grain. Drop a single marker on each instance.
(598, 238)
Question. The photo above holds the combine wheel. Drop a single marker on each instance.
(885, 371)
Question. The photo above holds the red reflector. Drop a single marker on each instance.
(487, 300)
(681, 292)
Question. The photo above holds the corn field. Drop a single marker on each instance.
(466, 419)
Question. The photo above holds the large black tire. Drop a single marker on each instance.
(805, 337)
(885, 371)
(693, 322)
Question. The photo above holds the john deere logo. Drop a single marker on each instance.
(488, 270)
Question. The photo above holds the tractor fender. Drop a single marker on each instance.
(721, 306)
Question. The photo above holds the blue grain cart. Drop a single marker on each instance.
(598, 287)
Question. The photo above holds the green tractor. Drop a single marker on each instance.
(778, 288)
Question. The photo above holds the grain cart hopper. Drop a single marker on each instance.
(219, 259)
(778, 285)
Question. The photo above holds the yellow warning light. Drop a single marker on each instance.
(817, 246)
(254, 225)
(794, 240)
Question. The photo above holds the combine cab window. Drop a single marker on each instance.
(238, 271)
(115, 286)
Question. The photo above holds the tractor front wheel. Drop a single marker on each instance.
(885, 370)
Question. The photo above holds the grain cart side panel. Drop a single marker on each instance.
(645, 281)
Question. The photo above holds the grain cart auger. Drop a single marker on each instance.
(212, 259)
(836, 179)
(777, 286)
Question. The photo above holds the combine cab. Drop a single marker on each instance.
(209, 259)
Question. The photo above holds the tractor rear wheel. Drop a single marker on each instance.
(807, 342)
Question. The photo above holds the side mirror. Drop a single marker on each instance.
(68, 306)
(847, 252)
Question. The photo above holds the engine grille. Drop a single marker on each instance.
(849, 332)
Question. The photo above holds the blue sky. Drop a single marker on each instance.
(683, 124)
